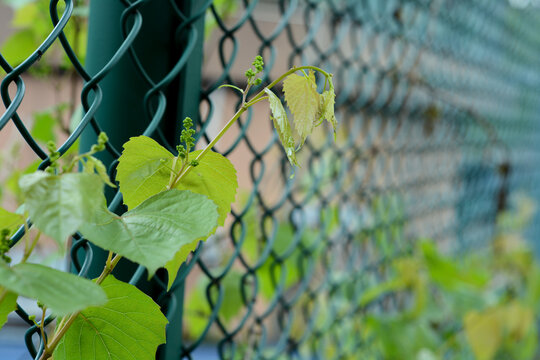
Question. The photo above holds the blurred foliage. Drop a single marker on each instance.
(32, 24)
(475, 305)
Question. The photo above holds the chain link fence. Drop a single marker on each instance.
(438, 107)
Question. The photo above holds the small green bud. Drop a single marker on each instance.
(188, 123)
(54, 156)
(258, 63)
(40, 305)
(4, 233)
(258, 82)
(181, 151)
(249, 73)
(97, 148)
(32, 318)
(51, 146)
(194, 163)
(102, 138)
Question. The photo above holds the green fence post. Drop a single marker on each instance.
(121, 113)
(189, 85)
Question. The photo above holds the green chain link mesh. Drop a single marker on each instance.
(438, 107)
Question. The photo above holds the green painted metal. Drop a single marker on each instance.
(436, 100)
(120, 113)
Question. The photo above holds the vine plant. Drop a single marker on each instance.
(173, 201)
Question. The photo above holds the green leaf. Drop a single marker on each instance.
(130, 326)
(283, 128)
(448, 273)
(8, 303)
(198, 309)
(19, 46)
(326, 110)
(215, 177)
(12, 182)
(484, 332)
(232, 296)
(43, 128)
(179, 258)
(373, 293)
(401, 338)
(153, 232)
(95, 165)
(303, 100)
(143, 170)
(61, 292)
(59, 205)
(10, 221)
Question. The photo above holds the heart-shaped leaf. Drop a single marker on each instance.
(130, 326)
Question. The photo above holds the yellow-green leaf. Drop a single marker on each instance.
(179, 258)
(215, 177)
(327, 102)
(130, 326)
(10, 221)
(143, 170)
(519, 319)
(303, 100)
(283, 128)
(484, 332)
(8, 303)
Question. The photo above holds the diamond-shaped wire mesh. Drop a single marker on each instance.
(438, 106)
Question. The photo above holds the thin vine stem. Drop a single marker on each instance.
(261, 95)
(112, 261)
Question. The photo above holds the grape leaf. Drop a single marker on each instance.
(143, 170)
(130, 326)
(12, 182)
(484, 332)
(303, 100)
(10, 221)
(43, 128)
(61, 292)
(179, 258)
(326, 110)
(153, 232)
(283, 128)
(214, 177)
(19, 46)
(58, 205)
(198, 309)
(8, 303)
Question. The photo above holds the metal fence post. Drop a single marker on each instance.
(188, 95)
(159, 44)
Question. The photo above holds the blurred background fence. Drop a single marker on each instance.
(437, 102)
